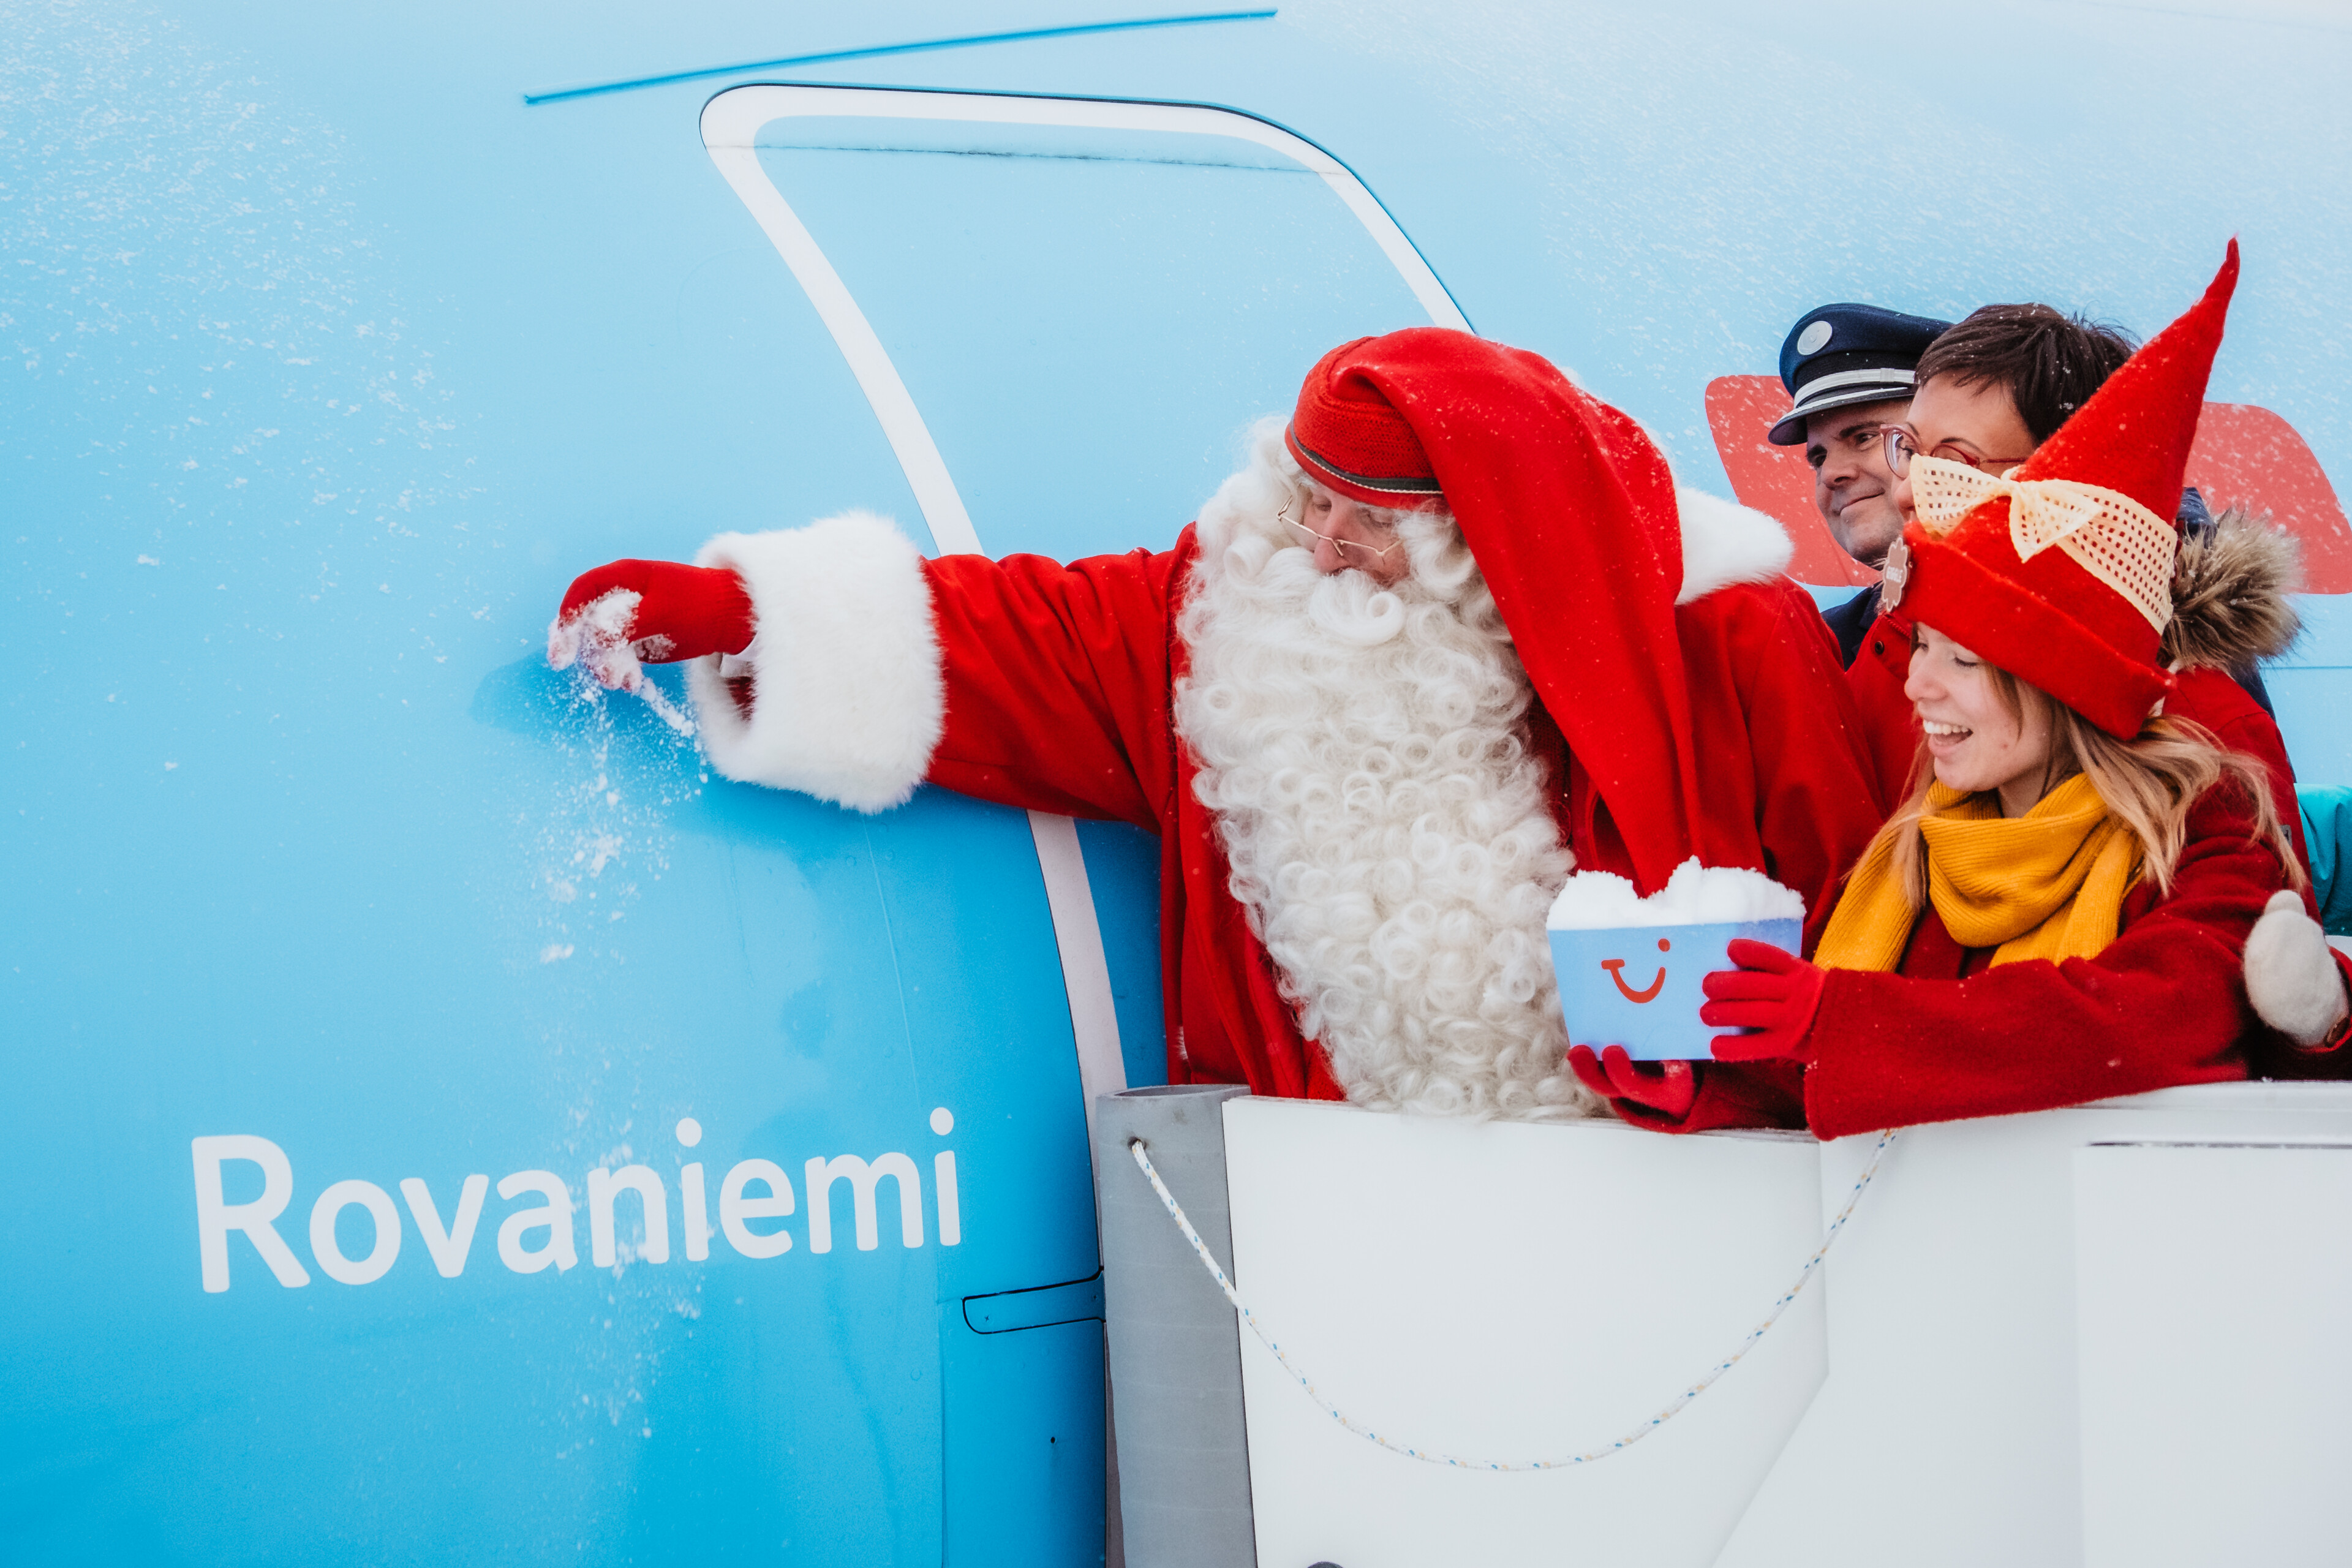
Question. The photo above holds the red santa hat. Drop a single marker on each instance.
(2060, 572)
(1570, 511)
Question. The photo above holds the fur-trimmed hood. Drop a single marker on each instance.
(2230, 588)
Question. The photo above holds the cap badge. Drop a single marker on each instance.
(1814, 338)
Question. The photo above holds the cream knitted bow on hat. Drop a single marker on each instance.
(2109, 535)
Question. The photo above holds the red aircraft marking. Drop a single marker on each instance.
(2244, 455)
(1615, 966)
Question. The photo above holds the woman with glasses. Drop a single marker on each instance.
(1999, 385)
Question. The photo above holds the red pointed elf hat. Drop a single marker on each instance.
(1570, 512)
(2062, 573)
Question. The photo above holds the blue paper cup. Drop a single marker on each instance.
(1638, 986)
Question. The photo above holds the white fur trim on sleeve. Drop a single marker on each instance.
(847, 695)
(1725, 542)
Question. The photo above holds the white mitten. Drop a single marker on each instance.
(2291, 973)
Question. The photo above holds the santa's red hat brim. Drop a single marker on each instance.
(1370, 489)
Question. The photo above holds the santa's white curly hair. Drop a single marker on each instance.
(1365, 752)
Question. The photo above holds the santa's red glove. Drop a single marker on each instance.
(1656, 1095)
(660, 611)
(1772, 996)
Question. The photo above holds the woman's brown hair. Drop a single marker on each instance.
(2048, 362)
(2150, 783)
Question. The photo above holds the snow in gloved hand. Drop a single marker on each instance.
(596, 641)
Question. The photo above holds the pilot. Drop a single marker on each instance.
(1850, 372)
(2056, 912)
(1447, 634)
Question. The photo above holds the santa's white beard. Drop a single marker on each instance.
(1365, 753)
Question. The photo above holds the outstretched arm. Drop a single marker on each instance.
(835, 660)
(1058, 681)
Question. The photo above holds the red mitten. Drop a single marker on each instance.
(655, 610)
(1656, 1095)
(1772, 996)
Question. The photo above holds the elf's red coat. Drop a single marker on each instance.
(2206, 696)
(1946, 1036)
(1059, 685)
(1889, 728)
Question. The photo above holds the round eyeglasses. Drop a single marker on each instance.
(1902, 446)
(1353, 552)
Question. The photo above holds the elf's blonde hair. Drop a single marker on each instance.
(2150, 783)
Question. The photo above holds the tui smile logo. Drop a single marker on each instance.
(1602, 931)
(1616, 968)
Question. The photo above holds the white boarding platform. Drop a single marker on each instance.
(2118, 1334)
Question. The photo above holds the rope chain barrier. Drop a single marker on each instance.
(1431, 1457)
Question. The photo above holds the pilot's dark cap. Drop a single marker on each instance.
(1842, 355)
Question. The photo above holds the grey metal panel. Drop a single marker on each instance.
(1175, 1344)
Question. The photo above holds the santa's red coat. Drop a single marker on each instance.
(1051, 687)
(1060, 684)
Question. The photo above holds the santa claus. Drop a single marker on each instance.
(1449, 634)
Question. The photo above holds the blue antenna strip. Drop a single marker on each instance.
(559, 95)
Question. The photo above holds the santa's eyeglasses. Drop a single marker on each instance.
(1353, 552)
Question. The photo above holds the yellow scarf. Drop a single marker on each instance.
(2049, 884)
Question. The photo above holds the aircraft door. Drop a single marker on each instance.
(1063, 314)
